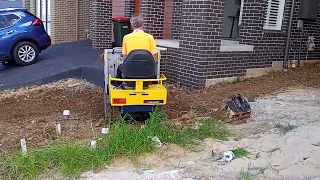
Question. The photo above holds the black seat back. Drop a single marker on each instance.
(139, 64)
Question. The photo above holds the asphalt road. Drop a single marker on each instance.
(76, 59)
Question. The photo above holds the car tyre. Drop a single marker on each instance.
(25, 53)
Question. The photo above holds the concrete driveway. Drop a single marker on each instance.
(68, 60)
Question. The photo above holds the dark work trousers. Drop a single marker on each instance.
(119, 75)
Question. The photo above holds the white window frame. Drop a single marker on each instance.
(278, 26)
(241, 12)
(43, 11)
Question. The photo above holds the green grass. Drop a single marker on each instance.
(285, 128)
(123, 140)
(245, 175)
(240, 152)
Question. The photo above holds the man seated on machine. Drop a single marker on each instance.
(137, 40)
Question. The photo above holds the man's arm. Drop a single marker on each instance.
(124, 48)
(154, 49)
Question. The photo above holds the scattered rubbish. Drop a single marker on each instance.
(306, 158)
(105, 131)
(66, 114)
(58, 128)
(238, 106)
(212, 153)
(227, 156)
(236, 139)
(156, 141)
(93, 143)
(23, 145)
(258, 155)
(276, 165)
(318, 144)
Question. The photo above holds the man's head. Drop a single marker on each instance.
(136, 22)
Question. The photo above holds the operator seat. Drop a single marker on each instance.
(139, 64)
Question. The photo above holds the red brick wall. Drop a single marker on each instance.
(167, 21)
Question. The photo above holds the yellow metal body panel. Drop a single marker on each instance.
(155, 94)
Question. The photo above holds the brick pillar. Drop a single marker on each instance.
(101, 23)
(153, 14)
(129, 8)
(198, 40)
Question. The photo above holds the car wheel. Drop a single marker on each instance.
(25, 53)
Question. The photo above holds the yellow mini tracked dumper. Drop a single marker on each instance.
(141, 88)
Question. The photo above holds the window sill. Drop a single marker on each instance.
(169, 43)
(234, 46)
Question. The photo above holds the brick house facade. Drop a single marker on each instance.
(199, 51)
(201, 57)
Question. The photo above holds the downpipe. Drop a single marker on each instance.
(285, 60)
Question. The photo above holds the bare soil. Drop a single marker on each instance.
(31, 112)
(210, 100)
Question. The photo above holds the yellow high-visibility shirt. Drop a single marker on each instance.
(138, 39)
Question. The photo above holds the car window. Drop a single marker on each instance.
(12, 18)
(2, 23)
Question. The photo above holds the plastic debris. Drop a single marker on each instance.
(257, 155)
(93, 143)
(66, 114)
(236, 139)
(227, 156)
(105, 131)
(23, 145)
(156, 141)
(58, 128)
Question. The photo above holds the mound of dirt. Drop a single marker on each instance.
(31, 112)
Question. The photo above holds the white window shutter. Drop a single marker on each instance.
(274, 14)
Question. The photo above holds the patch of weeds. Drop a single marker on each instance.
(250, 172)
(238, 79)
(285, 128)
(240, 152)
(123, 140)
(245, 175)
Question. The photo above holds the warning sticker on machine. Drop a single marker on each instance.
(153, 101)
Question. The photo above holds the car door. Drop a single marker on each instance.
(3, 27)
(7, 32)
